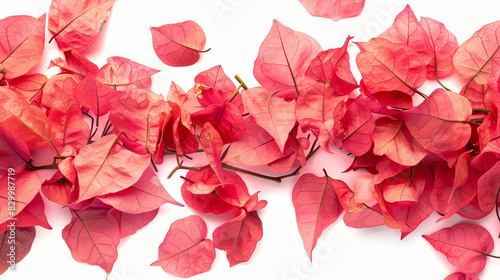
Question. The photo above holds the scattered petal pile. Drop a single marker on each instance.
(107, 132)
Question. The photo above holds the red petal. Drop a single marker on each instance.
(284, 56)
(185, 251)
(254, 204)
(411, 214)
(212, 144)
(67, 82)
(334, 9)
(358, 125)
(293, 156)
(29, 86)
(26, 121)
(386, 66)
(386, 169)
(68, 128)
(441, 114)
(239, 237)
(22, 39)
(478, 95)
(315, 112)
(204, 192)
(363, 189)
(139, 117)
(24, 238)
(465, 245)
(364, 219)
(180, 137)
(147, 194)
(472, 210)
(379, 102)
(33, 214)
(92, 237)
(225, 117)
(461, 276)
(407, 30)
(473, 57)
(256, 147)
(392, 138)
(223, 88)
(76, 24)
(346, 197)
(444, 45)
(405, 186)
(448, 199)
(209, 200)
(179, 44)
(27, 185)
(189, 102)
(76, 63)
(367, 161)
(124, 74)
(60, 190)
(332, 68)
(105, 167)
(95, 96)
(15, 153)
(316, 207)
(131, 223)
(488, 189)
(275, 114)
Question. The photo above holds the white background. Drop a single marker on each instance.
(235, 30)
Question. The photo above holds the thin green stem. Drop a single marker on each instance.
(277, 179)
(172, 153)
(262, 176)
(492, 256)
(223, 155)
(53, 146)
(372, 209)
(241, 82)
(91, 126)
(236, 92)
(313, 150)
(106, 128)
(436, 74)
(441, 84)
(423, 95)
(187, 179)
(204, 51)
(180, 166)
(154, 165)
(31, 167)
(93, 134)
(484, 111)
(169, 153)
